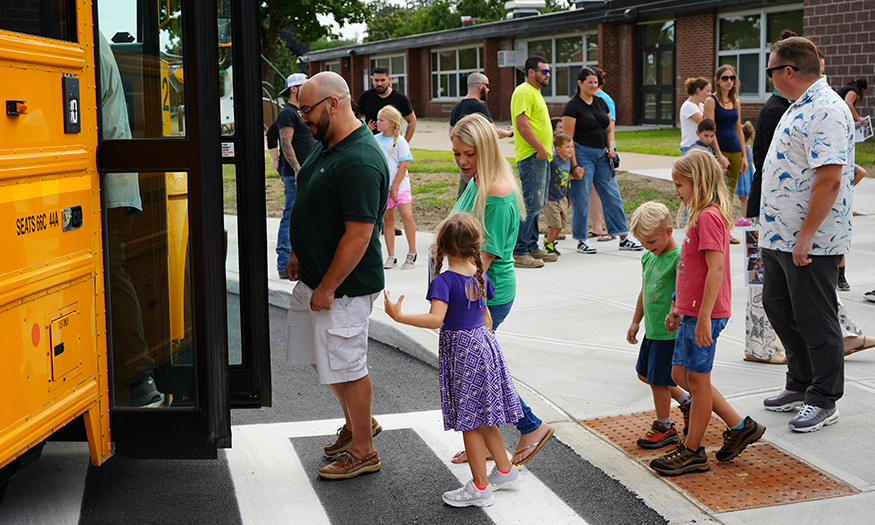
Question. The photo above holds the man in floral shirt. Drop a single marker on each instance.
(806, 228)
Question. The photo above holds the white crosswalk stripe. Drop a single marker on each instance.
(272, 486)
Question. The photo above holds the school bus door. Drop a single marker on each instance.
(165, 239)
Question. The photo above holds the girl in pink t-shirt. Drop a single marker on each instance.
(699, 311)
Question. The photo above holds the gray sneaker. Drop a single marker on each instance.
(784, 401)
(501, 481)
(469, 496)
(811, 418)
(144, 394)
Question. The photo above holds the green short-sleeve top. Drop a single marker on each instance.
(501, 224)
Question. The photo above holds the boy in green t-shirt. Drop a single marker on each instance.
(651, 224)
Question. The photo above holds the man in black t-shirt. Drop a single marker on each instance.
(478, 92)
(296, 141)
(373, 100)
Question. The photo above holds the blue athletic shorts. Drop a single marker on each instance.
(693, 357)
(654, 361)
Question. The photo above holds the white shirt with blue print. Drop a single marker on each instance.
(817, 130)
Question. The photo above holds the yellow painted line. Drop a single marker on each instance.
(45, 188)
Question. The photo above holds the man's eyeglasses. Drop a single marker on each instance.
(770, 70)
(729, 77)
(484, 84)
(545, 71)
(303, 112)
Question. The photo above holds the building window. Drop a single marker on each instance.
(333, 66)
(450, 69)
(744, 39)
(566, 55)
(397, 65)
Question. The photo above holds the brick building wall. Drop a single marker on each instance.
(695, 52)
(617, 50)
(843, 31)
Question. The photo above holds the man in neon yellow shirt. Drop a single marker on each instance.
(534, 136)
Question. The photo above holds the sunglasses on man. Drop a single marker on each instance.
(770, 70)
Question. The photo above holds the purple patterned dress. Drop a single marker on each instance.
(476, 388)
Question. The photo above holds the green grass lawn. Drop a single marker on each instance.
(428, 161)
(650, 141)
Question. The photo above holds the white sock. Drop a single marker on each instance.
(664, 421)
(684, 399)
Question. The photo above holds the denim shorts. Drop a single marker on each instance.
(654, 361)
(693, 357)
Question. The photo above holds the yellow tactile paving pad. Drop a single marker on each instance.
(763, 475)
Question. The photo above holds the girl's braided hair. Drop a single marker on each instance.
(459, 235)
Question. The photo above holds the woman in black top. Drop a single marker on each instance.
(587, 120)
(851, 93)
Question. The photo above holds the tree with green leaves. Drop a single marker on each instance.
(426, 16)
(301, 14)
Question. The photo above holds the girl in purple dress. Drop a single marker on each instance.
(477, 392)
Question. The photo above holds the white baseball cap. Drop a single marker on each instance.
(295, 79)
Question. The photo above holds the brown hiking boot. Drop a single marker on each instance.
(344, 439)
(544, 256)
(526, 261)
(348, 465)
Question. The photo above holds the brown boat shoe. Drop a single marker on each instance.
(348, 465)
(344, 439)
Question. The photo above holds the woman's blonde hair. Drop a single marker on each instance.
(459, 235)
(475, 131)
(649, 218)
(391, 114)
(733, 92)
(709, 187)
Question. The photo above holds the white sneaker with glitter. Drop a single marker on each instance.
(469, 496)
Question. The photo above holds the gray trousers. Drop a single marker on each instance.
(801, 304)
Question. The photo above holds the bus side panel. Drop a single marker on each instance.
(53, 364)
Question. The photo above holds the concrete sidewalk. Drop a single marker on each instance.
(565, 344)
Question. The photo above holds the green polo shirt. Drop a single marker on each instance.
(526, 99)
(346, 182)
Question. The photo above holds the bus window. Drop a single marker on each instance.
(146, 41)
(142, 97)
(226, 69)
(49, 18)
(150, 295)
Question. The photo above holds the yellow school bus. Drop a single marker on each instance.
(125, 320)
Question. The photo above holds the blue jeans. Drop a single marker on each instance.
(596, 172)
(535, 179)
(529, 422)
(283, 241)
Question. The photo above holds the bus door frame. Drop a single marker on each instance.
(199, 431)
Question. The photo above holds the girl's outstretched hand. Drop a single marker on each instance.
(393, 309)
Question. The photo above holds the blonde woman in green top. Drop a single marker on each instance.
(496, 200)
